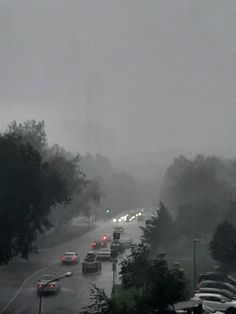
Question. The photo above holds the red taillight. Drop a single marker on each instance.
(52, 285)
(93, 244)
(104, 238)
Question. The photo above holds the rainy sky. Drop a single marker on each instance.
(123, 76)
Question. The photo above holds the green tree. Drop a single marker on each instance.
(167, 286)
(100, 303)
(223, 245)
(160, 230)
(29, 188)
(156, 286)
(32, 132)
(134, 269)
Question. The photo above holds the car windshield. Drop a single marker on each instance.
(90, 258)
(69, 254)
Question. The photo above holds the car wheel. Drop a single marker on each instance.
(231, 310)
(83, 270)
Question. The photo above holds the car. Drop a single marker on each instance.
(217, 302)
(217, 276)
(127, 242)
(104, 254)
(96, 245)
(48, 284)
(117, 247)
(209, 310)
(225, 293)
(91, 263)
(217, 285)
(70, 257)
(119, 229)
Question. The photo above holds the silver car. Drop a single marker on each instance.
(48, 284)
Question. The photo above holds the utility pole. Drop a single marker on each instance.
(195, 263)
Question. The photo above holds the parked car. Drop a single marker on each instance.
(91, 263)
(217, 276)
(209, 310)
(218, 285)
(224, 292)
(104, 254)
(70, 258)
(48, 284)
(217, 302)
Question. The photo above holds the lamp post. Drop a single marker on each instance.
(195, 262)
(68, 274)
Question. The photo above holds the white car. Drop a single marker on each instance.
(216, 302)
(209, 310)
(104, 254)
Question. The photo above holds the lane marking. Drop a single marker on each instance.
(23, 284)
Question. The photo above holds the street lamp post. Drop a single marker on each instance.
(195, 262)
(68, 274)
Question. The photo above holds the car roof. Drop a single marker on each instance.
(211, 295)
(214, 290)
(215, 281)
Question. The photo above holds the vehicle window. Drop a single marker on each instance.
(90, 258)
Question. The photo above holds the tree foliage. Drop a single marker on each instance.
(160, 229)
(100, 303)
(29, 188)
(157, 287)
(200, 192)
(223, 244)
(134, 269)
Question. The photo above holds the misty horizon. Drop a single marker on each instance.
(122, 78)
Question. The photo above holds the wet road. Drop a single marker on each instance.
(18, 281)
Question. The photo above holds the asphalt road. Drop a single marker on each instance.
(19, 279)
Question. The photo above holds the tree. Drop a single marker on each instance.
(191, 182)
(160, 230)
(29, 188)
(223, 245)
(31, 132)
(134, 269)
(167, 286)
(100, 303)
(64, 163)
(157, 287)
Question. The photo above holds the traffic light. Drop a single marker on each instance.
(107, 210)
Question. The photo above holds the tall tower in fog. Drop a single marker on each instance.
(95, 109)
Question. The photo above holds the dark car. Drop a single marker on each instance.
(216, 276)
(117, 247)
(217, 285)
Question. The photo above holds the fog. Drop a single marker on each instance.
(122, 78)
